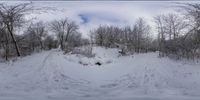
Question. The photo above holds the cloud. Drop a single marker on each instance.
(90, 14)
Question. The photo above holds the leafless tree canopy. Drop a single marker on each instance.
(64, 29)
(12, 16)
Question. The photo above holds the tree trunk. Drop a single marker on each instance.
(6, 47)
(61, 44)
(10, 29)
(7, 51)
(41, 44)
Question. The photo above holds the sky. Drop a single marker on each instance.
(91, 14)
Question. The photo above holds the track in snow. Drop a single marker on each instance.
(51, 75)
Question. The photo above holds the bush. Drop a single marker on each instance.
(86, 51)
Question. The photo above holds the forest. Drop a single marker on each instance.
(177, 36)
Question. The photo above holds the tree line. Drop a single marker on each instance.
(178, 35)
(134, 39)
(36, 36)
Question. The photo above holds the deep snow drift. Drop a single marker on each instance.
(51, 75)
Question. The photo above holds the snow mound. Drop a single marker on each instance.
(99, 56)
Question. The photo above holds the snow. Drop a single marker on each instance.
(53, 75)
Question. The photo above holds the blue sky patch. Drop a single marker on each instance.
(84, 18)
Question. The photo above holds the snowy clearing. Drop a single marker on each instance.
(51, 75)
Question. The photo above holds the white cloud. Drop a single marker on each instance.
(118, 13)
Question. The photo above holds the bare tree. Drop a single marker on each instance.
(57, 28)
(12, 16)
(174, 25)
(161, 33)
(142, 34)
(171, 27)
(64, 28)
(92, 38)
(50, 42)
(130, 39)
(192, 12)
(4, 41)
(38, 31)
(99, 35)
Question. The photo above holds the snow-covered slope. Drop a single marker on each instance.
(51, 75)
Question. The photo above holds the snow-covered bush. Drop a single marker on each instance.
(84, 50)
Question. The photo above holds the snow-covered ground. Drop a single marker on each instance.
(51, 75)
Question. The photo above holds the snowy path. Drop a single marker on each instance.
(50, 75)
